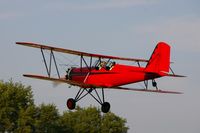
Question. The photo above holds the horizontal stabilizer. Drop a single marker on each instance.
(147, 90)
(174, 75)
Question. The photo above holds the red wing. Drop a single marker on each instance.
(62, 80)
(147, 90)
(79, 53)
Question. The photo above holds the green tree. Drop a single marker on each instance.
(82, 120)
(113, 124)
(90, 120)
(13, 98)
(27, 120)
(41, 119)
(47, 120)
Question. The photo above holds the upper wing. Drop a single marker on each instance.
(147, 90)
(79, 53)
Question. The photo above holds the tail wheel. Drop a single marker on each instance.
(154, 84)
(105, 107)
(71, 103)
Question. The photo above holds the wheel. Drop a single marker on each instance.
(154, 84)
(105, 107)
(71, 104)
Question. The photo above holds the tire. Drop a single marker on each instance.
(105, 107)
(71, 103)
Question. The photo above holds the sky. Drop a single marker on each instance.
(127, 28)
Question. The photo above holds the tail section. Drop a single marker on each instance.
(160, 60)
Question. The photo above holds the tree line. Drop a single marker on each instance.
(19, 114)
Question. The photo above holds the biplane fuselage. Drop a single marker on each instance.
(117, 76)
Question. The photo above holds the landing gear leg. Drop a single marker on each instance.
(105, 106)
(71, 103)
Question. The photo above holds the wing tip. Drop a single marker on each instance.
(171, 92)
(21, 42)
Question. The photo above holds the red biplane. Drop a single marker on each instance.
(106, 73)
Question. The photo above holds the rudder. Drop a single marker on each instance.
(159, 61)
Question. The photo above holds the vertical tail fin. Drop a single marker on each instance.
(159, 61)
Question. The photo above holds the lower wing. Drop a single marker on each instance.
(60, 80)
(146, 90)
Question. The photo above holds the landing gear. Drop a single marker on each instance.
(105, 106)
(154, 84)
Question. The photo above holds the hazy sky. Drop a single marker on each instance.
(129, 28)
